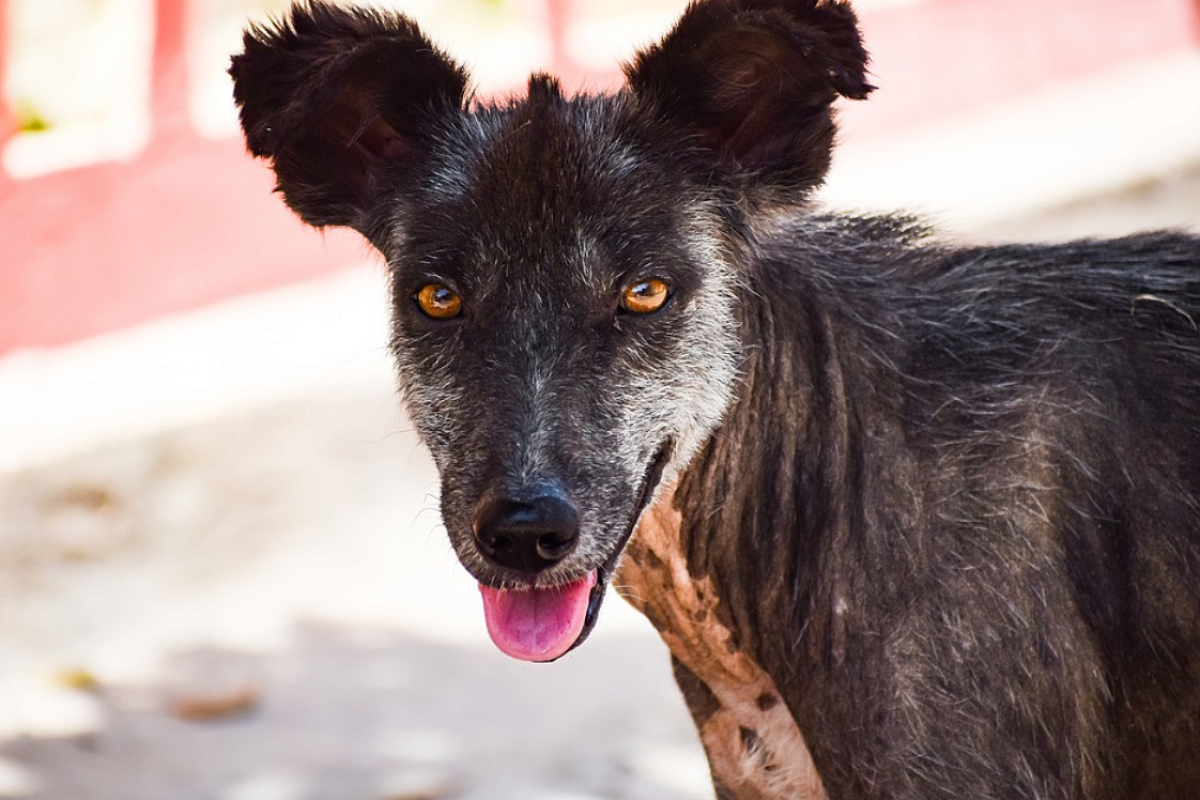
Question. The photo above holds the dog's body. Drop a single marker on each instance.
(930, 513)
(954, 518)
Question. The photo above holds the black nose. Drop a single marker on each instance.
(529, 534)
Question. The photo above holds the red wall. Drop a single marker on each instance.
(956, 56)
(188, 222)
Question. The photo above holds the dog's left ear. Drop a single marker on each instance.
(343, 101)
(752, 83)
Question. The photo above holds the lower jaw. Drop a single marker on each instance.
(605, 571)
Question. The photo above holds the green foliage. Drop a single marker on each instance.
(28, 117)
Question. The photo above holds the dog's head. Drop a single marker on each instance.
(564, 271)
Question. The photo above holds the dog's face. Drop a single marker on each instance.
(564, 271)
(565, 333)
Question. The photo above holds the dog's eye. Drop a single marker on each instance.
(645, 297)
(439, 301)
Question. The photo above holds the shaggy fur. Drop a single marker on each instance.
(942, 501)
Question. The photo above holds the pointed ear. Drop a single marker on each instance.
(339, 99)
(752, 82)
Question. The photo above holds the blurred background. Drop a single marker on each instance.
(222, 574)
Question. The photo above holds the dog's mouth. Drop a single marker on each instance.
(545, 623)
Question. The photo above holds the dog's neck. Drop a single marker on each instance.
(766, 501)
(737, 551)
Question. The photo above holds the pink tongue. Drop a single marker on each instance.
(537, 624)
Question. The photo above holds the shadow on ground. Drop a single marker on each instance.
(368, 714)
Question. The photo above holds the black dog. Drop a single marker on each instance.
(930, 513)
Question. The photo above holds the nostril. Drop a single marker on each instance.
(529, 533)
(494, 544)
(554, 546)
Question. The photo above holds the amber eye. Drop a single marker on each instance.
(439, 301)
(645, 297)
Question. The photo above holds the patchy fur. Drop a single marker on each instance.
(753, 745)
(933, 524)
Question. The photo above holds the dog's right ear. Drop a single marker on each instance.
(751, 84)
(339, 99)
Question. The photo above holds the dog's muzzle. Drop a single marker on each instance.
(528, 533)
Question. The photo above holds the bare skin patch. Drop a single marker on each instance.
(754, 747)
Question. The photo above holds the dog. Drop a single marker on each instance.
(916, 519)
